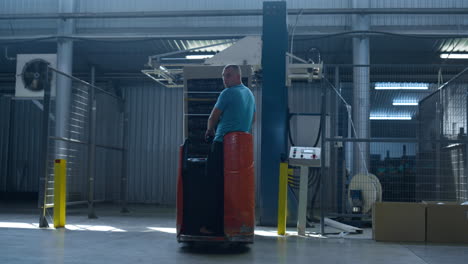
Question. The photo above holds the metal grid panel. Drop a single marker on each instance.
(75, 147)
(444, 117)
(75, 154)
(412, 159)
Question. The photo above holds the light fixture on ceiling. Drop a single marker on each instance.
(405, 102)
(199, 57)
(454, 55)
(402, 117)
(401, 86)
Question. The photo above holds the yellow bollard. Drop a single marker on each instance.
(282, 198)
(60, 191)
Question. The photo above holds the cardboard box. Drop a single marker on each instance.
(399, 222)
(447, 223)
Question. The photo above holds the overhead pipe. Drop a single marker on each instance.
(142, 37)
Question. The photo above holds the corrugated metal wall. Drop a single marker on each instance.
(109, 132)
(154, 135)
(15, 27)
(25, 146)
(163, 5)
(5, 103)
(145, 5)
(20, 160)
(418, 20)
(20, 128)
(305, 97)
(28, 6)
(417, 3)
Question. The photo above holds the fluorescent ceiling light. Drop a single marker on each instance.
(404, 102)
(454, 56)
(198, 57)
(390, 117)
(401, 86)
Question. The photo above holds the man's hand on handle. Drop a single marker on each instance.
(209, 135)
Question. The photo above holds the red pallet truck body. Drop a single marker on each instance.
(239, 193)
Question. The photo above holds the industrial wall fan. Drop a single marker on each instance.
(33, 75)
(31, 71)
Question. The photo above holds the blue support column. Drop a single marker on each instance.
(274, 107)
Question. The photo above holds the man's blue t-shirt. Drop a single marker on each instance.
(238, 106)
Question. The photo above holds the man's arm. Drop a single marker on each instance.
(212, 122)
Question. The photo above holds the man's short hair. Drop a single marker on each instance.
(236, 68)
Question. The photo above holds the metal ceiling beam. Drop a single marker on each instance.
(239, 12)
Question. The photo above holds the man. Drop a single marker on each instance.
(234, 111)
(235, 108)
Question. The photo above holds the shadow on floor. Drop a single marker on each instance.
(214, 248)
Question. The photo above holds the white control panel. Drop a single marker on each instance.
(304, 156)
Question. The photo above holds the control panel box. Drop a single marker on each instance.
(305, 156)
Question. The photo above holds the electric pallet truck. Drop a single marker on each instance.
(233, 195)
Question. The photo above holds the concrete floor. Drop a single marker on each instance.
(146, 235)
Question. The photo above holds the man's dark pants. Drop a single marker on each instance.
(215, 188)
